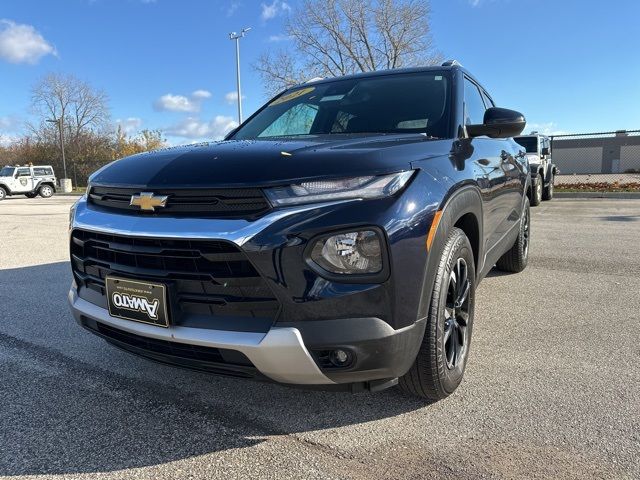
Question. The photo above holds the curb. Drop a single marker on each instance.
(619, 195)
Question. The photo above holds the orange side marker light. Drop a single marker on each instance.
(434, 227)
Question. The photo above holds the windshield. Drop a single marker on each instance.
(398, 103)
(529, 143)
(7, 171)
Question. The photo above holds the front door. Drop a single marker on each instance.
(23, 180)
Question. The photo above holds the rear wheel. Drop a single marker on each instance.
(536, 191)
(516, 259)
(441, 361)
(548, 190)
(46, 191)
(3, 193)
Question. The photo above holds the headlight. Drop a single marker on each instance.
(345, 188)
(349, 253)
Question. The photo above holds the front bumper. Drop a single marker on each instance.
(279, 354)
(377, 322)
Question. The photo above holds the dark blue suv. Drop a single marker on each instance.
(334, 239)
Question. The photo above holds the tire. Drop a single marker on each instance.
(31, 195)
(439, 366)
(536, 191)
(3, 194)
(516, 259)
(548, 190)
(46, 191)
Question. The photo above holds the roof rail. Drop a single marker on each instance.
(451, 63)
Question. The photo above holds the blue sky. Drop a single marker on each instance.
(569, 65)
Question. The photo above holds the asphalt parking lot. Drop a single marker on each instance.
(552, 389)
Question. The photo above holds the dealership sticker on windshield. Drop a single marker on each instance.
(292, 96)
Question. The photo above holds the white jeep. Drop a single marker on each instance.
(543, 170)
(28, 180)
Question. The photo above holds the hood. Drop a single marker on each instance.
(270, 162)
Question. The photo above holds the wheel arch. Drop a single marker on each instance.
(463, 208)
(44, 182)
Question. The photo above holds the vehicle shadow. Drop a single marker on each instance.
(72, 404)
(621, 218)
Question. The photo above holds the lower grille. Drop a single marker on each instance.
(208, 281)
(218, 203)
(209, 359)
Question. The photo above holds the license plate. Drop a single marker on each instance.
(144, 302)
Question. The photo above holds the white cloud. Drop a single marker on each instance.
(201, 94)
(279, 38)
(10, 124)
(130, 125)
(6, 140)
(181, 103)
(195, 128)
(232, 97)
(231, 9)
(277, 7)
(21, 43)
(548, 128)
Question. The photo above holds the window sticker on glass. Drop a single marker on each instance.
(331, 98)
(291, 96)
(438, 77)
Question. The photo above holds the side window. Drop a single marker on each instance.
(487, 101)
(24, 172)
(473, 104)
(298, 120)
(41, 171)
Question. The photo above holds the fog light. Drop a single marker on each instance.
(349, 253)
(340, 358)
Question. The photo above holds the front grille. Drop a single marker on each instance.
(219, 203)
(208, 281)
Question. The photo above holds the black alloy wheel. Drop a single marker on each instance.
(439, 366)
(456, 314)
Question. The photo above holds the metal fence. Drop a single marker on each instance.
(606, 160)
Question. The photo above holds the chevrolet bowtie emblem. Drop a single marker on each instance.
(148, 201)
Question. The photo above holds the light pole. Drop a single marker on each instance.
(58, 121)
(237, 36)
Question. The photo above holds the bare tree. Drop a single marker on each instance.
(80, 107)
(339, 37)
(83, 114)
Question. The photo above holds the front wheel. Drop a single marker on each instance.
(3, 193)
(439, 366)
(46, 191)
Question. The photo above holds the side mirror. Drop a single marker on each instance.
(545, 151)
(499, 123)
